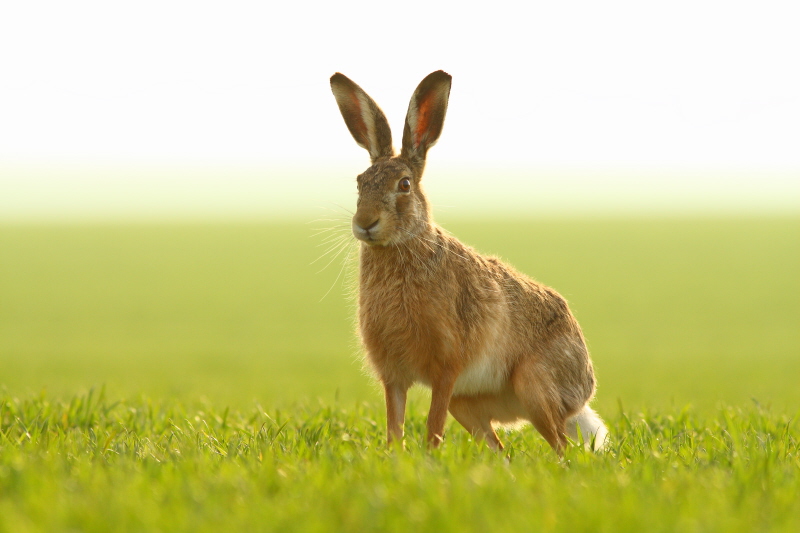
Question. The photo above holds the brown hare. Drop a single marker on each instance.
(494, 346)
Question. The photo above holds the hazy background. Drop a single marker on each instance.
(647, 154)
(173, 109)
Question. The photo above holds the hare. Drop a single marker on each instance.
(494, 346)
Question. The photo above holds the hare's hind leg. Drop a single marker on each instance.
(473, 412)
(539, 396)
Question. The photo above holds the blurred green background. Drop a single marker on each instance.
(653, 181)
(676, 310)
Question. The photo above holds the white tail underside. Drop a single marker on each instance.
(592, 429)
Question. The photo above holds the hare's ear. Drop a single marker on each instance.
(363, 117)
(425, 117)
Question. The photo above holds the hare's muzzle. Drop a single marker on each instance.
(365, 228)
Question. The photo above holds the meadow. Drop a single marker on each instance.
(205, 376)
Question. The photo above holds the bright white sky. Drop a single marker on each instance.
(197, 106)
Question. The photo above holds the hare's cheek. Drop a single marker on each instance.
(403, 204)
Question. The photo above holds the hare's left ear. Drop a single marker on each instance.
(425, 117)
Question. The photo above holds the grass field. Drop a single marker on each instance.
(203, 377)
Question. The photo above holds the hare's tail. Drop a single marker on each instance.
(592, 429)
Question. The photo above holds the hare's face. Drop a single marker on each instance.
(391, 206)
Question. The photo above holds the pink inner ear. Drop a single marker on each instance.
(423, 117)
(357, 120)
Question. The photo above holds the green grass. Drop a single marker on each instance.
(234, 396)
(95, 465)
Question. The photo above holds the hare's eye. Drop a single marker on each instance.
(404, 185)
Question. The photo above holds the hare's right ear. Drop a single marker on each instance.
(363, 117)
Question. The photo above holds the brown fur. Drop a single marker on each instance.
(494, 346)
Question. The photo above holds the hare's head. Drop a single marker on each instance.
(391, 204)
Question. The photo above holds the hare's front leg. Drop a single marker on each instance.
(441, 392)
(395, 411)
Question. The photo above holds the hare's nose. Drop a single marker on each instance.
(362, 228)
(369, 226)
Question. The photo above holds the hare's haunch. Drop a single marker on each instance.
(494, 346)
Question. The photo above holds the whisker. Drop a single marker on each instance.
(445, 248)
(325, 233)
(425, 244)
(411, 250)
(350, 280)
(344, 208)
(425, 265)
(335, 226)
(345, 261)
(347, 213)
(341, 247)
(338, 221)
(335, 246)
(421, 262)
(437, 244)
(331, 238)
(402, 257)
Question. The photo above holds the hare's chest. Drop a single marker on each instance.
(399, 326)
(405, 336)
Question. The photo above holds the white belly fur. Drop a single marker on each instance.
(486, 374)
